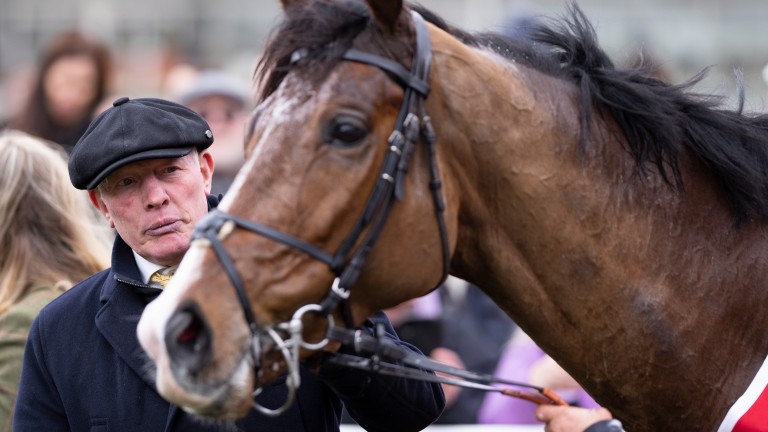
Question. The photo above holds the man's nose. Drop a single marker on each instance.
(155, 194)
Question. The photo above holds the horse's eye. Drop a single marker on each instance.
(345, 131)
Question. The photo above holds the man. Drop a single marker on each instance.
(222, 99)
(147, 169)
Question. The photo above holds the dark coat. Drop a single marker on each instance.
(84, 370)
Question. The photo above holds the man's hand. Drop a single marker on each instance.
(570, 419)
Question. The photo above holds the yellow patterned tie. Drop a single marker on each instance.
(162, 279)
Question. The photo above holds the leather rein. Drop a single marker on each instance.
(347, 263)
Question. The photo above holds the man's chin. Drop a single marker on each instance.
(166, 250)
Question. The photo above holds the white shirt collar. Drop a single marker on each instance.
(145, 267)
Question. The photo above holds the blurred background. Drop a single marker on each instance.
(202, 53)
(154, 41)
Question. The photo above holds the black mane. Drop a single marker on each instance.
(658, 120)
(315, 33)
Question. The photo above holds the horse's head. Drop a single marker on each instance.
(322, 201)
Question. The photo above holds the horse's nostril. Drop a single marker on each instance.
(190, 332)
(188, 339)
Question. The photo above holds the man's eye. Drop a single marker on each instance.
(125, 182)
(171, 169)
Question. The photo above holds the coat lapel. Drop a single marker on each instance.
(117, 321)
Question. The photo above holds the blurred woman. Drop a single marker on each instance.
(49, 240)
(71, 82)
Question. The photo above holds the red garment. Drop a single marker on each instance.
(750, 412)
(756, 418)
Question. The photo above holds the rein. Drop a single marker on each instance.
(347, 263)
(420, 367)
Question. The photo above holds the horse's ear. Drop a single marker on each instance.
(287, 3)
(385, 12)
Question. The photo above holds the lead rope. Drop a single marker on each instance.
(417, 366)
(377, 354)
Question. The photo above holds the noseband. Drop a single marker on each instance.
(347, 263)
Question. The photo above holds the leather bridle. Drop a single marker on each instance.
(374, 353)
(347, 263)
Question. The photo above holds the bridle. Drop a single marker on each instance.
(347, 263)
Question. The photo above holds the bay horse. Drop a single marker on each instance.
(619, 220)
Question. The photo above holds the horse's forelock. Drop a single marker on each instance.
(322, 31)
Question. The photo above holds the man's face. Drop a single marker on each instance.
(226, 117)
(155, 204)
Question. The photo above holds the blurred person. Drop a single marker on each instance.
(476, 329)
(152, 182)
(174, 78)
(524, 361)
(447, 324)
(69, 85)
(418, 322)
(223, 100)
(50, 240)
(15, 83)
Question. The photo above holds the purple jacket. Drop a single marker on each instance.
(514, 365)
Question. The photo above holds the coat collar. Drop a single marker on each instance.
(123, 302)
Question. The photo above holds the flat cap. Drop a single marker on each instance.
(133, 130)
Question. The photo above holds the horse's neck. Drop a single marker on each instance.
(600, 268)
(514, 154)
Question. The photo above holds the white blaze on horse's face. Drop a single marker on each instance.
(284, 110)
(235, 386)
(235, 374)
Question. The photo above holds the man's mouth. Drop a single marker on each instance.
(164, 227)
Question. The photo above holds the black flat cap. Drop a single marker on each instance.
(135, 130)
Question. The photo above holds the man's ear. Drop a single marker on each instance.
(93, 194)
(207, 166)
(95, 197)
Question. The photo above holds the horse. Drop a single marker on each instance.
(619, 220)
